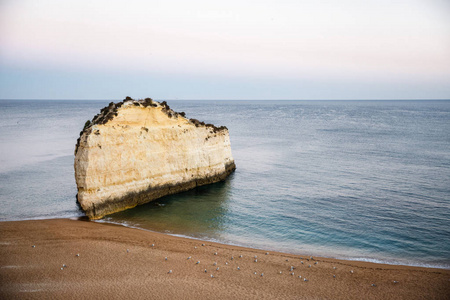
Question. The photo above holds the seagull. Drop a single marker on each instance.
(240, 256)
(238, 268)
(217, 269)
(215, 253)
(165, 258)
(395, 281)
(197, 262)
(304, 279)
(214, 264)
(232, 257)
(170, 271)
(334, 268)
(203, 244)
(78, 254)
(195, 247)
(256, 260)
(254, 273)
(334, 276)
(226, 263)
(128, 250)
(309, 266)
(351, 271)
(262, 274)
(316, 263)
(212, 276)
(301, 262)
(280, 272)
(34, 246)
(64, 266)
(292, 273)
(189, 257)
(267, 253)
(287, 259)
(206, 271)
(299, 276)
(292, 268)
(373, 284)
(153, 245)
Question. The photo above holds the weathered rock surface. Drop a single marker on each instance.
(136, 151)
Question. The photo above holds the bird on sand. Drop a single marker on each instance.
(197, 262)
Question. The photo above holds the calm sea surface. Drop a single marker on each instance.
(367, 180)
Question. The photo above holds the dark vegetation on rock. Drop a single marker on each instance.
(109, 112)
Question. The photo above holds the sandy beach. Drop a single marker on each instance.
(64, 258)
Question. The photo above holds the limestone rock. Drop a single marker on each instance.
(136, 151)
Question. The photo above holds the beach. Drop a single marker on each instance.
(69, 258)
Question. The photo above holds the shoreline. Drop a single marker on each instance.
(393, 262)
(116, 261)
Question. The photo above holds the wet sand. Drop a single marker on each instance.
(117, 262)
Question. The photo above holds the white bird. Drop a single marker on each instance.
(153, 245)
(206, 271)
(232, 258)
(395, 281)
(78, 254)
(203, 244)
(256, 260)
(305, 279)
(165, 258)
(64, 266)
(267, 253)
(240, 256)
(215, 253)
(334, 268)
(334, 276)
(292, 273)
(212, 276)
(309, 266)
(256, 256)
(280, 272)
(351, 271)
(189, 257)
(217, 269)
(197, 262)
(316, 263)
(262, 274)
(195, 247)
(170, 271)
(238, 268)
(254, 273)
(373, 284)
(214, 264)
(33, 246)
(128, 250)
(226, 263)
(301, 262)
(299, 276)
(287, 259)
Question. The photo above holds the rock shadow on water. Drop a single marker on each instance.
(200, 212)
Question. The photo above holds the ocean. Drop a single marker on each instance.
(361, 180)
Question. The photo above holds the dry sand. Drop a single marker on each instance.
(105, 269)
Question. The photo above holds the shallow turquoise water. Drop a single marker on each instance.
(361, 180)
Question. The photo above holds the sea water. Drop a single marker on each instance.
(365, 180)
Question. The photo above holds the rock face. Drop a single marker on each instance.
(136, 151)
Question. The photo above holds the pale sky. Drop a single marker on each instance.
(265, 49)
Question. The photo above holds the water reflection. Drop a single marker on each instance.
(199, 213)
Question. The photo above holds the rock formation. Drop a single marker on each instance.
(136, 151)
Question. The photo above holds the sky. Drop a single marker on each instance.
(234, 49)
